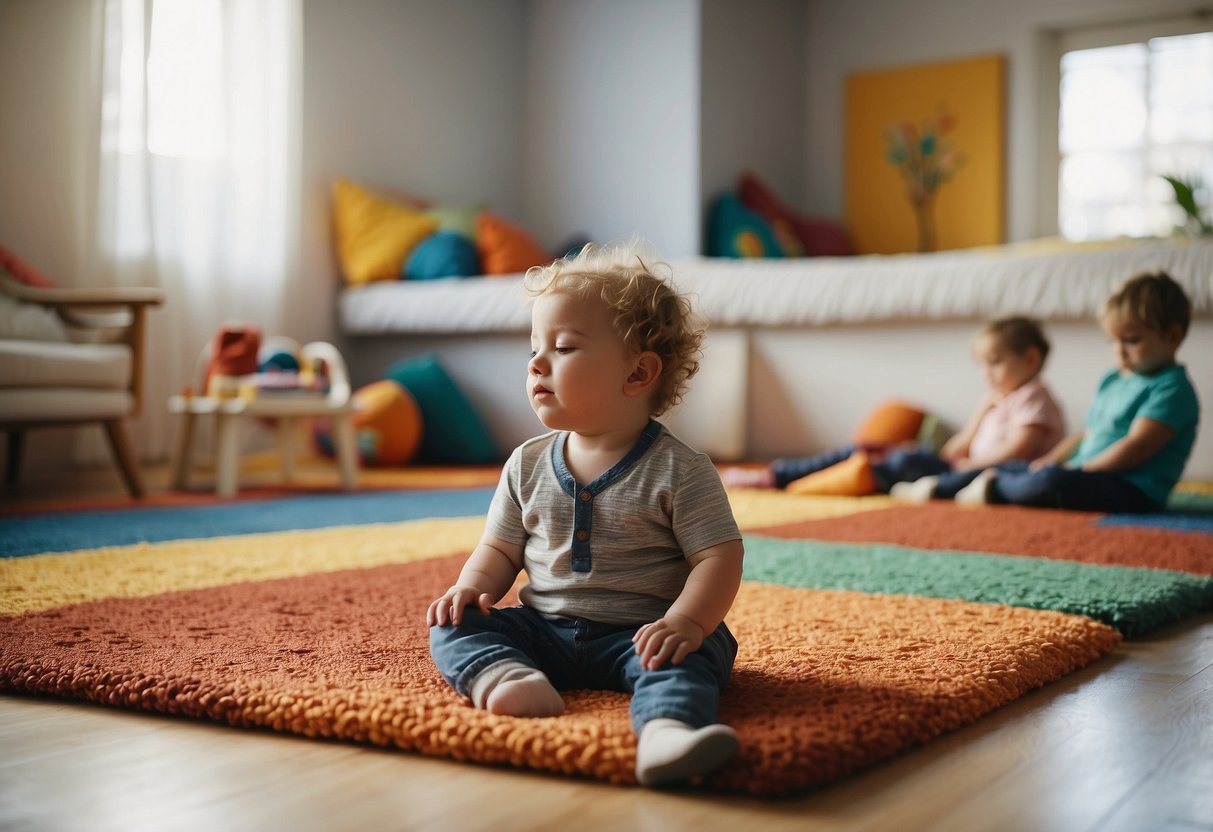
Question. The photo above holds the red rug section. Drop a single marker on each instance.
(1012, 530)
(433, 479)
(826, 681)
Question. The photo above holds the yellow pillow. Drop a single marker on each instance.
(374, 234)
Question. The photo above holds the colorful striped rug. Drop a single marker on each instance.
(864, 628)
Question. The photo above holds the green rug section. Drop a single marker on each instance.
(1133, 600)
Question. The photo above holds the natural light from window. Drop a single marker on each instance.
(1129, 115)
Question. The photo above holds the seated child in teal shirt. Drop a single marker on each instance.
(1141, 425)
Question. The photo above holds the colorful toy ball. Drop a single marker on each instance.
(388, 425)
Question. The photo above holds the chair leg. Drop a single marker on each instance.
(12, 466)
(120, 444)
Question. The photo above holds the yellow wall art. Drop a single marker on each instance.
(925, 156)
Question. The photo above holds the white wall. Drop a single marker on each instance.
(612, 111)
(752, 108)
(419, 96)
(46, 64)
(844, 36)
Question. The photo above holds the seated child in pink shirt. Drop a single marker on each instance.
(1016, 420)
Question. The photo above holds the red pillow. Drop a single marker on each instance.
(23, 272)
(813, 236)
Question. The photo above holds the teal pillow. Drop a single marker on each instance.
(736, 231)
(442, 254)
(454, 432)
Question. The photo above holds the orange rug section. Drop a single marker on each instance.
(1011, 530)
(826, 682)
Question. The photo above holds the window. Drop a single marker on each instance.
(1131, 112)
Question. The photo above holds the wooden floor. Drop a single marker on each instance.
(1126, 744)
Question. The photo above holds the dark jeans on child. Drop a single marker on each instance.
(578, 653)
(1071, 488)
(898, 465)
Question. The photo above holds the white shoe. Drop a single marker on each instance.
(922, 490)
(977, 493)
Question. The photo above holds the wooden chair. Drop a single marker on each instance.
(72, 356)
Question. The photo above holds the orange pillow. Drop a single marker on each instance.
(505, 248)
(891, 422)
(850, 478)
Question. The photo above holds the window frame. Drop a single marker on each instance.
(1053, 44)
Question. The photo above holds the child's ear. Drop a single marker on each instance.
(1035, 358)
(1174, 336)
(645, 372)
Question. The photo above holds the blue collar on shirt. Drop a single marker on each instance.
(583, 496)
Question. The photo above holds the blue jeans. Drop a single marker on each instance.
(578, 653)
(904, 464)
(1068, 488)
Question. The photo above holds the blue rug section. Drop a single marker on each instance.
(1174, 522)
(92, 529)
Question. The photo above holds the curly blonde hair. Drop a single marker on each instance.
(648, 312)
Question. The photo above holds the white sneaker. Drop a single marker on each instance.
(922, 490)
(977, 493)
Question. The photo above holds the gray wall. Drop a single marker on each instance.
(753, 96)
(422, 97)
(612, 105)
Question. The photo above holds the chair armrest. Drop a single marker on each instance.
(94, 300)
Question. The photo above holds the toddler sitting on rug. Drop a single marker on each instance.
(626, 535)
(1140, 426)
(1016, 419)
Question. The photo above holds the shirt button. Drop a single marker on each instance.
(582, 534)
(586, 496)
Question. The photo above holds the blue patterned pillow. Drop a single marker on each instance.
(736, 231)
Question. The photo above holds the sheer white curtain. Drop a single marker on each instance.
(198, 173)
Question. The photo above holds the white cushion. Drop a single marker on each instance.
(63, 404)
(29, 321)
(56, 364)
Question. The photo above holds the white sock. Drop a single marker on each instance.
(670, 751)
(511, 688)
(919, 491)
(977, 493)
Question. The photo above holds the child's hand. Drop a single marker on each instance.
(954, 449)
(449, 608)
(671, 638)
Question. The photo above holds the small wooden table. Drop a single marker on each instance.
(228, 414)
(338, 406)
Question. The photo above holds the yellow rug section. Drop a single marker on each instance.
(758, 507)
(53, 580)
